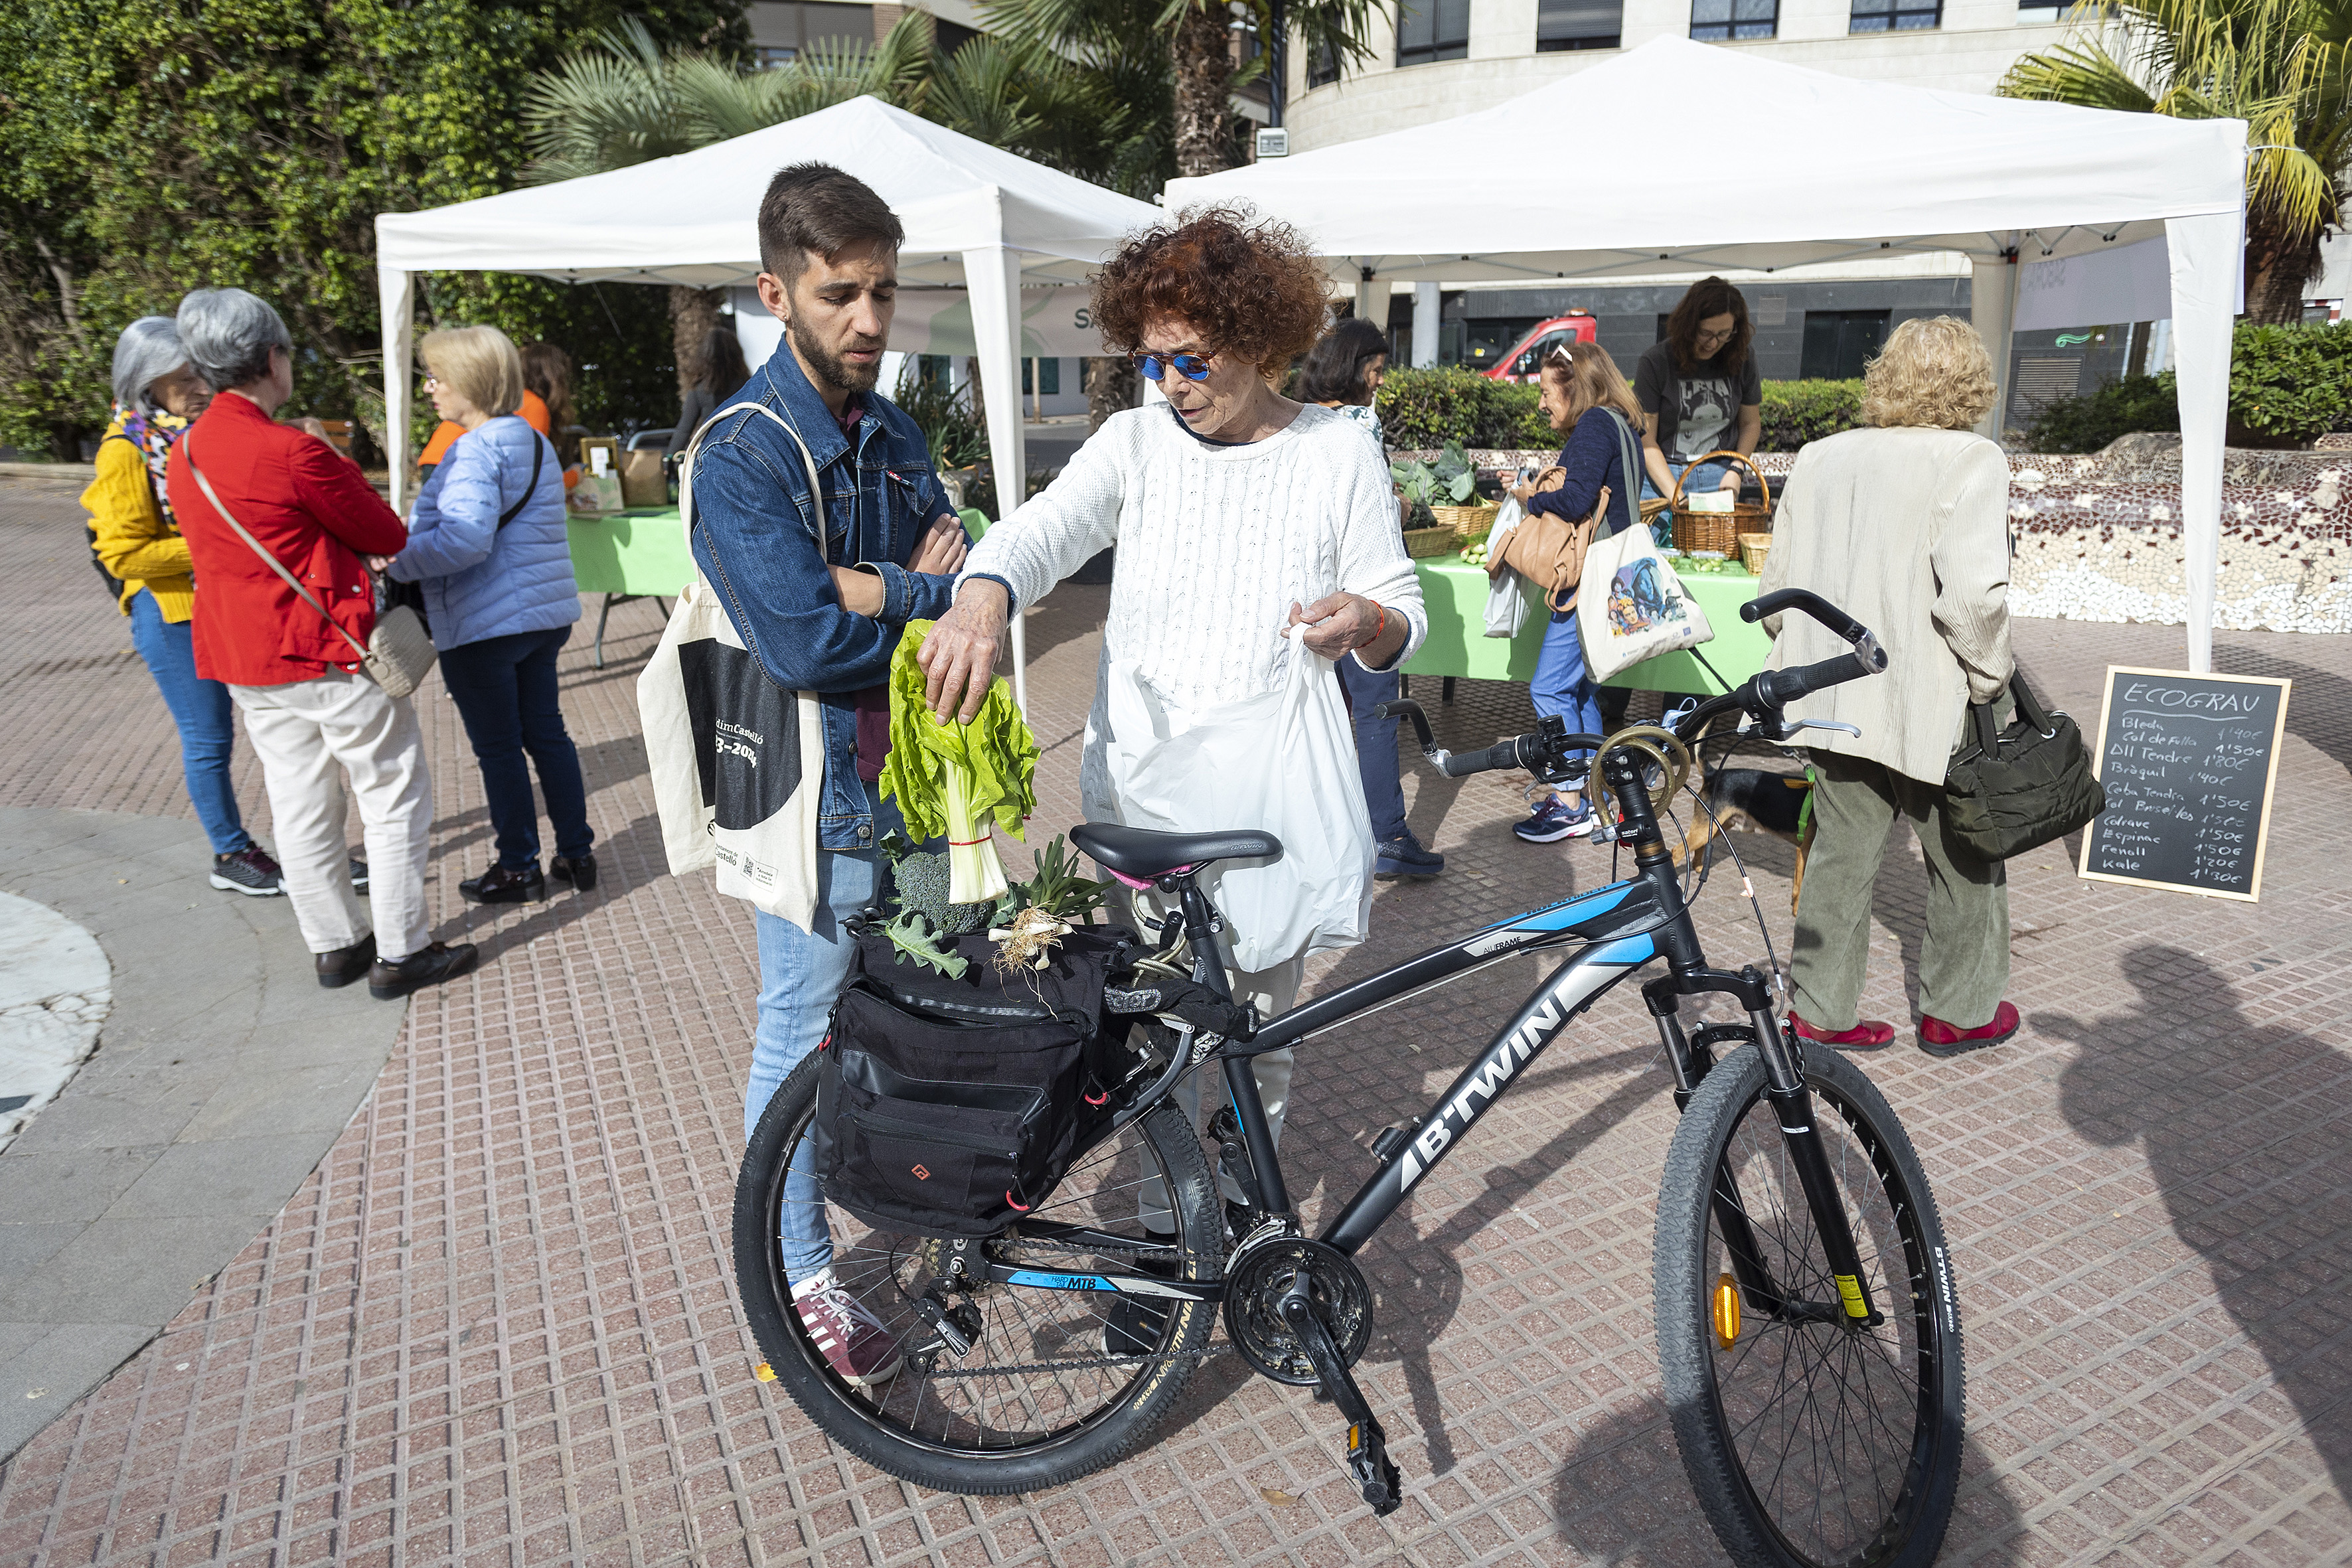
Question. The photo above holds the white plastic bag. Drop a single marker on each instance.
(1285, 763)
(1506, 600)
(1630, 606)
(737, 760)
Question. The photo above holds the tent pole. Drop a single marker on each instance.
(992, 276)
(1992, 306)
(2206, 261)
(397, 296)
(1427, 300)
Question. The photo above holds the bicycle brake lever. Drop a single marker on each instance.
(1792, 725)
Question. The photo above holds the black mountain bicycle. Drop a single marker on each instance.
(1808, 1328)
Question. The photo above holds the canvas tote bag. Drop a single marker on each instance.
(1284, 762)
(398, 651)
(1633, 606)
(736, 762)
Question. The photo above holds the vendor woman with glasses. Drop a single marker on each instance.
(1700, 392)
(1238, 515)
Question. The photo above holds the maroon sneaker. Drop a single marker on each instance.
(1938, 1038)
(853, 1338)
(1870, 1034)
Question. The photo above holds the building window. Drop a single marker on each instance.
(1839, 343)
(1895, 15)
(1579, 25)
(1046, 381)
(1322, 68)
(783, 30)
(1719, 21)
(1431, 30)
(2035, 11)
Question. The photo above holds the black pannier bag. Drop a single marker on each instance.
(953, 1106)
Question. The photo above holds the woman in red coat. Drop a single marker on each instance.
(310, 709)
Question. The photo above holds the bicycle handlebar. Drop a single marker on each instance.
(1763, 697)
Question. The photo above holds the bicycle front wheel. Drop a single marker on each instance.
(1057, 1382)
(1811, 1438)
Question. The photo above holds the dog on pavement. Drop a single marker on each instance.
(1757, 799)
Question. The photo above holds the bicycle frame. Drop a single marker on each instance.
(1622, 926)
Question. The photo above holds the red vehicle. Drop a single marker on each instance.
(1519, 364)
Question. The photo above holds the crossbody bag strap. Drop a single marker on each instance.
(188, 450)
(694, 450)
(538, 456)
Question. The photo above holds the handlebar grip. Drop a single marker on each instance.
(1505, 756)
(1840, 625)
(1778, 688)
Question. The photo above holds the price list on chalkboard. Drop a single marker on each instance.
(2187, 761)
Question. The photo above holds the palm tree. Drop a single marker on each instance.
(2282, 66)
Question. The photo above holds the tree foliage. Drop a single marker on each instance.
(2282, 66)
(148, 150)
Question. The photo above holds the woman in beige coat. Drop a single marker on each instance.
(1904, 525)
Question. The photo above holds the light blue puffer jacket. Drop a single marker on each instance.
(480, 580)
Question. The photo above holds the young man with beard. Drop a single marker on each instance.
(820, 590)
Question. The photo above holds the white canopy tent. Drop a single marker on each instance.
(1833, 169)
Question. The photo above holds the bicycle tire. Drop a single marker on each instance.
(885, 1426)
(1888, 1400)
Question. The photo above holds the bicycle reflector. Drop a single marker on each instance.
(1726, 1312)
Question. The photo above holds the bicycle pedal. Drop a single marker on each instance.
(1377, 1477)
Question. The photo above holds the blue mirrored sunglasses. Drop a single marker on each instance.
(1191, 367)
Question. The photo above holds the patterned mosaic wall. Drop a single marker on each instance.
(2099, 537)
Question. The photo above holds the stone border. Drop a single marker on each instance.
(222, 1076)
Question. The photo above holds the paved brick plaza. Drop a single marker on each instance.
(498, 1324)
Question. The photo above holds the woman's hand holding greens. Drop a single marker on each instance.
(959, 656)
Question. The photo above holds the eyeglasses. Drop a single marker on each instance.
(1191, 367)
(1723, 336)
(432, 384)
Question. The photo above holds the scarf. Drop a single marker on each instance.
(152, 435)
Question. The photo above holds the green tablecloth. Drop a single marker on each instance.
(1455, 594)
(641, 551)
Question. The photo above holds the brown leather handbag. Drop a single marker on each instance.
(1549, 550)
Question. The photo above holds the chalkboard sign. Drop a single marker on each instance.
(2188, 762)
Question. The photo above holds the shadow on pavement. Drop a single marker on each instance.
(2319, 709)
(2245, 1137)
(1623, 1496)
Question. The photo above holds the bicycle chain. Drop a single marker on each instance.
(1099, 1362)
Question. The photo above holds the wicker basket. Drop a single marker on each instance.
(1466, 521)
(1719, 531)
(1422, 543)
(1753, 549)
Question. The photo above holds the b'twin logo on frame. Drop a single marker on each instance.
(1500, 1065)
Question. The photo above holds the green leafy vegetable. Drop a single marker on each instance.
(911, 935)
(954, 778)
(1057, 888)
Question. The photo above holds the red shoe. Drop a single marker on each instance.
(1870, 1034)
(845, 1329)
(1938, 1038)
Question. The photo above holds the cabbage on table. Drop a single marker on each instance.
(956, 779)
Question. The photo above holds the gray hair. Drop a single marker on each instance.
(228, 335)
(148, 351)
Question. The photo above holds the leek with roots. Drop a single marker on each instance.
(956, 779)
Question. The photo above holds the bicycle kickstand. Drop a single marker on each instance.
(1368, 1445)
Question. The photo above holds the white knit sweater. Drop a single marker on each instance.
(1215, 544)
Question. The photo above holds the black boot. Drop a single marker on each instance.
(505, 885)
(388, 982)
(580, 870)
(341, 966)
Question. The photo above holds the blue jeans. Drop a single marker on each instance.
(201, 709)
(801, 976)
(1698, 476)
(1376, 746)
(1561, 685)
(504, 689)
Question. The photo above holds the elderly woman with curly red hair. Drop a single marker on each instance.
(1237, 513)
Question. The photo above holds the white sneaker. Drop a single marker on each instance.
(861, 1350)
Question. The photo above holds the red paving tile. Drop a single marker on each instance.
(497, 1324)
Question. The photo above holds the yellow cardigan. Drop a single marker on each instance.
(129, 533)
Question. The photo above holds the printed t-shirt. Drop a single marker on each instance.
(1697, 410)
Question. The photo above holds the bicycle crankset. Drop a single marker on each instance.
(1256, 1286)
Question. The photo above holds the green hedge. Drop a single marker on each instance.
(1424, 409)
(2287, 385)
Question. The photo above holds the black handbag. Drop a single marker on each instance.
(2021, 787)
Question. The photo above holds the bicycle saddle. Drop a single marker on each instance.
(1139, 853)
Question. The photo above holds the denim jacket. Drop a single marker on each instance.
(755, 540)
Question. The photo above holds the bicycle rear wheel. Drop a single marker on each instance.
(1810, 1440)
(1043, 1396)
